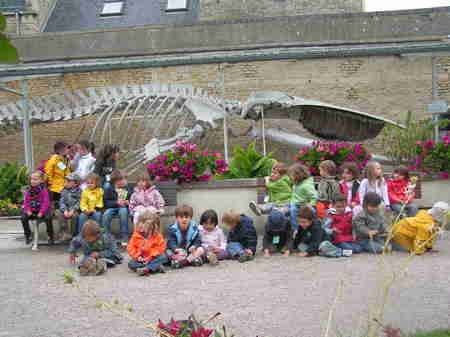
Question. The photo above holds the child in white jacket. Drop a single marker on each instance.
(213, 239)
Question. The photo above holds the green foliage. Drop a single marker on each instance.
(68, 277)
(8, 53)
(399, 144)
(7, 208)
(434, 333)
(12, 178)
(248, 163)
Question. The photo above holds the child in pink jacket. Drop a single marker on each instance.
(213, 239)
(145, 198)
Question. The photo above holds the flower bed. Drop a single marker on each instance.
(340, 153)
(433, 158)
(185, 164)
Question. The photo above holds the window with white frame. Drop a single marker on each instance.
(112, 8)
(177, 5)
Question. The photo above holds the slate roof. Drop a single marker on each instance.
(79, 15)
(12, 5)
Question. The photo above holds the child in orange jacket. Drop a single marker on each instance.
(147, 246)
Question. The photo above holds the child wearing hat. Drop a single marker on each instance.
(69, 206)
(417, 234)
(277, 235)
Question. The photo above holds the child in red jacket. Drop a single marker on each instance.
(338, 224)
(147, 246)
(400, 191)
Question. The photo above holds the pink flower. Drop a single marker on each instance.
(444, 175)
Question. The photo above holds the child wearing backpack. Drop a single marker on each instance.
(328, 187)
(277, 234)
(147, 246)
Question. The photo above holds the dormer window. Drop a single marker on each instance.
(112, 8)
(177, 5)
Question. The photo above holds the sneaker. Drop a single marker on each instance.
(28, 240)
(161, 270)
(175, 264)
(212, 259)
(51, 242)
(245, 257)
(347, 252)
(143, 271)
(197, 262)
(254, 207)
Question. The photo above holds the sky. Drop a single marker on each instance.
(387, 5)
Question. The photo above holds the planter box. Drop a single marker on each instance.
(433, 190)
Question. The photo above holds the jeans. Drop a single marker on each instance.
(374, 246)
(25, 218)
(96, 216)
(153, 265)
(123, 214)
(350, 246)
(410, 209)
(293, 214)
(235, 249)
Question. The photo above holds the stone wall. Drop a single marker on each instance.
(387, 86)
(236, 9)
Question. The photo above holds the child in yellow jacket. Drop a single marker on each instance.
(417, 234)
(91, 201)
(56, 169)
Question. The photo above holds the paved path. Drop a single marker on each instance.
(276, 297)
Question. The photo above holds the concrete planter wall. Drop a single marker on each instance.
(434, 189)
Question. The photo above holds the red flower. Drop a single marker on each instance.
(202, 332)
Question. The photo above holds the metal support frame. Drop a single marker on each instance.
(28, 141)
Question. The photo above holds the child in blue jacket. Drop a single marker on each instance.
(242, 238)
(184, 245)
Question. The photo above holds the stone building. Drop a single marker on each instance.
(380, 63)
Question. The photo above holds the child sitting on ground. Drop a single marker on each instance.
(369, 226)
(145, 198)
(147, 246)
(417, 234)
(184, 246)
(338, 225)
(98, 247)
(91, 202)
(303, 192)
(116, 198)
(349, 185)
(279, 190)
(328, 187)
(69, 206)
(36, 206)
(242, 238)
(277, 235)
(400, 190)
(311, 238)
(213, 240)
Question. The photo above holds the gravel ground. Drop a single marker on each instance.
(276, 297)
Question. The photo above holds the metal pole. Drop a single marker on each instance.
(27, 137)
(434, 94)
(225, 137)
(263, 131)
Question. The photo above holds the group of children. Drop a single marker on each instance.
(85, 188)
(333, 218)
(342, 217)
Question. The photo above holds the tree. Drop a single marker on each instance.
(8, 53)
